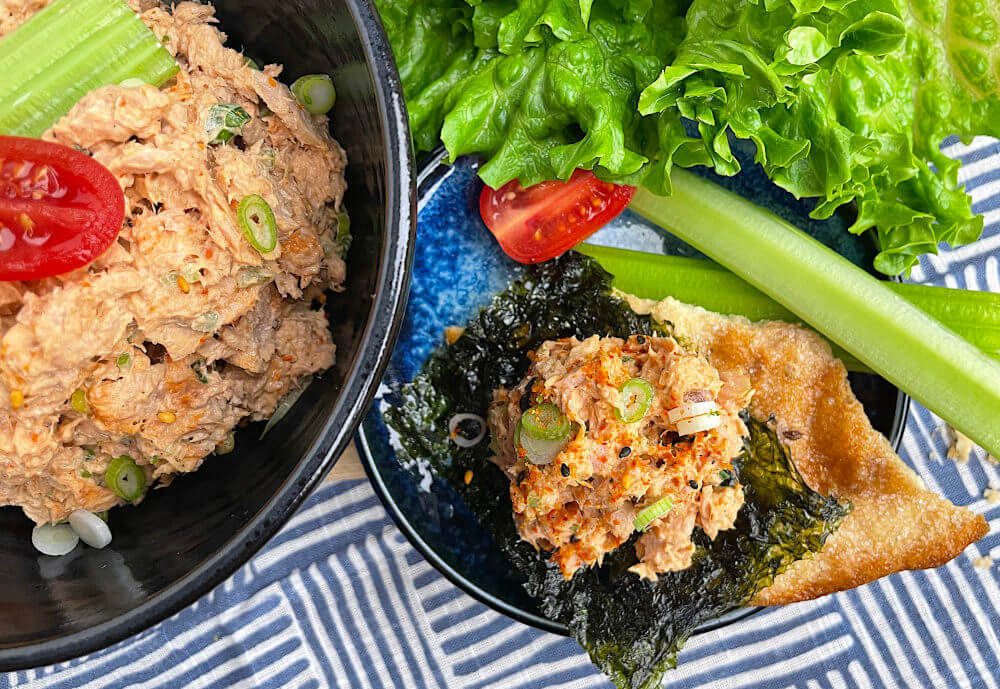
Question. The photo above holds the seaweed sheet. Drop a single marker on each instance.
(632, 628)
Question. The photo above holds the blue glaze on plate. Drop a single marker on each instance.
(457, 269)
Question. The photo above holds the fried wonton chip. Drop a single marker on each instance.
(896, 524)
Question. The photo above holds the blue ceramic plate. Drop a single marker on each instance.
(457, 269)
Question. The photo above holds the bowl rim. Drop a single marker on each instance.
(358, 389)
(430, 164)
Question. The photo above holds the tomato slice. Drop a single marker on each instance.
(543, 221)
(59, 209)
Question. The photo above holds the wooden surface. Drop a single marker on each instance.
(347, 467)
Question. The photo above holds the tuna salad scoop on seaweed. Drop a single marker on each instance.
(651, 465)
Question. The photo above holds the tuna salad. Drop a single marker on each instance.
(605, 437)
(206, 311)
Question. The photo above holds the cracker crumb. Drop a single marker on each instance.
(992, 495)
(961, 447)
(984, 562)
(452, 333)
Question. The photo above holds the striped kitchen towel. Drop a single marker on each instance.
(340, 599)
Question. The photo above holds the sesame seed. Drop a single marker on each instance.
(183, 284)
(167, 416)
(468, 477)
(16, 398)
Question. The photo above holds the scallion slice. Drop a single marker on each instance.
(258, 224)
(636, 396)
(225, 122)
(652, 513)
(545, 422)
(315, 93)
(251, 276)
(284, 405)
(125, 478)
(536, 450)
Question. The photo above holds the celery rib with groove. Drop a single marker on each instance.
(67, 50)
(971, 314)
(884, 331)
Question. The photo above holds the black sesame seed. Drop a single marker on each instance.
(564, 470)
(693, 484)
(625, 452)
(640, 339)
(520, 477)
(573, 539)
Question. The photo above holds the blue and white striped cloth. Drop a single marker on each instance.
(340, 599)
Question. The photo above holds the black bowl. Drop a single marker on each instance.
(183, 541)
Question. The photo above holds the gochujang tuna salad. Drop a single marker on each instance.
(206, 311)
(605, 437)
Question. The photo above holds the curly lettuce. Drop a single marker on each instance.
(846, 101)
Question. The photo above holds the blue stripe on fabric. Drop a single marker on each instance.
(351, 622)
(408, 610)
(324, 613)
(305, 624)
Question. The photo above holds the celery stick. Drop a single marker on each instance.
(68, 49)
(883, 330)
(971, 314)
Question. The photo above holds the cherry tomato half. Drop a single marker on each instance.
(59, 209)
(543, 221)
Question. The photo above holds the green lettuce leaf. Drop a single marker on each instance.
(846, 101)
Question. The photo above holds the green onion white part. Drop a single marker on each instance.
(705, 422)
(227, 445)
(689, 410)
(459, 421)
(54, 539)
(912, 350)
(652, 513)
(91, 529)
(315, 93)
(537, 450)
(67, 50)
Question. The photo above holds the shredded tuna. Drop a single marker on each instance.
(582, 505)
(181, 329)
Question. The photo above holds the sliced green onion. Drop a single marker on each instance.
(689, 410)
(884, 331)
(125, 361)
(91, 529)
(125, 478)
(315, 93)
(132, 83)
(537, 450)
(284, 405)
(67, 50)
(251, 276)
(545, 422)
(206, 322)
(258, 224)
(636, 396)
(652, 513)
(227, 445)
(251, 63)
(225, 122)
(78, 400)
(343, 232)
(104, 516)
